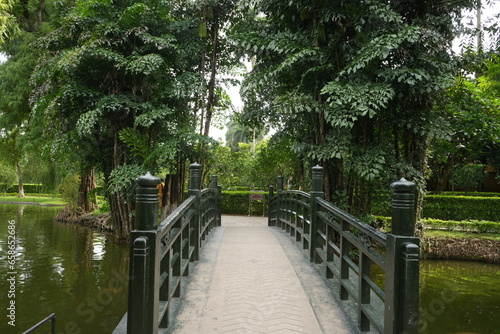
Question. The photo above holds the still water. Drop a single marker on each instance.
(72, 271)
(459, 297)
(80, 275)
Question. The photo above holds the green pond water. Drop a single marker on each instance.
(459, 297)
(72, 271)
(80, 275)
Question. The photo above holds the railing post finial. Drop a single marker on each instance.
(280, 183)
(195, 176)
(403, 207)
(147, 202)
(317, 192)
(214, 181)
(317, 179)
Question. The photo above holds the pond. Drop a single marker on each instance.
(77, 273)
(459, 297)
(81, 275)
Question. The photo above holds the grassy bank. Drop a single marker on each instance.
(33, 199)
(461, 235)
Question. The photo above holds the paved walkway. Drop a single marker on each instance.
(253, 279)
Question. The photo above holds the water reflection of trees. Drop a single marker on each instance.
(57, 271)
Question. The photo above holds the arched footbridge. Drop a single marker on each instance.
(307, 268)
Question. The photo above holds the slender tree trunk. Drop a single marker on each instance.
(86, 193)
(38, 13)
(173, 193)
(121, 208)
(211, 83)
(417, 158)
(202, 97)
(20, 185)
(443, 178)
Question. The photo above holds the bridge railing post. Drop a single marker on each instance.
(195, 190)
(219, 204)
(402, 273)
(317, 192)
(144, 273)
(216, 189)
(279, 202)
(270, 209)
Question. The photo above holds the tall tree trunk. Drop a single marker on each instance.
(173, 193)
(211, 83)
(20, 185)
(443, 178)
(86, 193)
(120, 205)
(417, 158)
(38, 13)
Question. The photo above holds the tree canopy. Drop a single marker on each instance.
(370, 90)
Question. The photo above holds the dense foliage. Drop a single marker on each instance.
(354, 86)
(370, 90)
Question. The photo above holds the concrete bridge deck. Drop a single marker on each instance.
(253, 279)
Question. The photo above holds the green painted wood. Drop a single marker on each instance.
(161, 253)
(336, 239)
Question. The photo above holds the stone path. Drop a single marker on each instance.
(253, 279)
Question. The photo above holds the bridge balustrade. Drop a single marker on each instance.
(160, 254)
(351, 251)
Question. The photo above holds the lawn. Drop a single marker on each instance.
(43, 200)
(459, 235)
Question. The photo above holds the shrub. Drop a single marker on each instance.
(479, 226)
(479, 206)
(238, 203)
(462, 207)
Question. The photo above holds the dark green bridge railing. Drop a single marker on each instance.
(353, 252)
(160, 254)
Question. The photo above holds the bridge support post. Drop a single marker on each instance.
(402, 274)
(217, 203)
(317, 192)
(279, 204)
(195, 190)
(270, 209)
(144, 274)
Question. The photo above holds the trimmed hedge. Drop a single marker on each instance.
(480, 226)
(449, 207)
(238, 203)
(462, 207)
(464, 193)
(477, 226)
(28, 188)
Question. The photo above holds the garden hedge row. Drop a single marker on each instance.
(478, 226)
(462, 207)
(239, 203)
(28, 188)
(33, 189)
(449, 207)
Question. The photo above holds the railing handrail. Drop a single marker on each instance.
(161, 254)
(372, 232)
(51, 317)
(176, 214)
(330, 235)
(297, 192)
